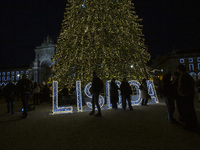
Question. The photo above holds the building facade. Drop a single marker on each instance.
(38, 71)
(14, 74)
(169, 62)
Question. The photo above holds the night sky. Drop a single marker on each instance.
(24, 24)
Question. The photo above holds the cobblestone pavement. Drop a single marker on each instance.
(143, 128)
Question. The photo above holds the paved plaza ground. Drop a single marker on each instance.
(144, 128)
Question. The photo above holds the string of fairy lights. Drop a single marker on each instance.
(101, 35)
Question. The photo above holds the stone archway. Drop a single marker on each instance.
(45, 69)
(42, 63)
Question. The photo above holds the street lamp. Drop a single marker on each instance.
(18, 76)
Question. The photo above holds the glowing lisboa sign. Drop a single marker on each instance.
(69, 109)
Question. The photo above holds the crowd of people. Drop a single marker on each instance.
(24, 90)
(125, 89)
(178, 90)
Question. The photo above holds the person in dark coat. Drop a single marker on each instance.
(176, 97)
(126, 92)
(96, 89)
(186, 91)
(46, 92)
(25, 88)
(10, 96)
(167, 91)
(114, 98)
(36, 93)
(41, 94)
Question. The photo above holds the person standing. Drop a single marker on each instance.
(167, 91)
(176, 97)
(41, 97)
(97, 87)
(114, 98)
(46, 93)
(144, 92)
(36, 93)
(25, 88)
(186, 91)
(10, 96)
(126, 92)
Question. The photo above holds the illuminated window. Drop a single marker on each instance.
(3, 73)
(182, 60)
(12, 78)
(22, 72)
(17, 72)
(13, 73)
(8, 73)
(198, 66)
(3, 79)
(191, 67)
(0, 73)
(190, 60)
(198, 59)
(8, 78)
(27, 76)
(27, 72)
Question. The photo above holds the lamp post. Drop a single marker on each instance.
(18, 76)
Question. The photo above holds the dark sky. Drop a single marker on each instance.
(25, 23)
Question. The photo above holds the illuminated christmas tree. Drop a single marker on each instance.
(101, 35)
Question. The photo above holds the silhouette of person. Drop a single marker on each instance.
(187, 92)
(41, 97)
(144, 93)
(97, 87)
(25, 88)
(126, 92)
(114, 93)
(46, 93)
(10, 96)
(36, 93)
(167, 89)
(176, 97)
